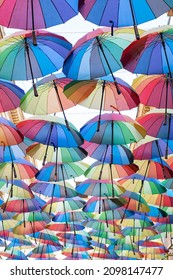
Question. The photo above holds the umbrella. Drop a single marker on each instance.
(102, 94)
(14, 254)
(155, 45)
(61, 172)
(113, 214)
(154, 90)
(105, 171)
(170, 161)
(96, 204)
(29, 227)
(50, 97)
(22, 169)
(156, 168)
(36, 14)
(63, 204)
(112, 129)
(8, 153)
(158, 124)
(97, 54)
(37, 151)
(168, 183)
(9, 134)
(137, 183)
(76, 216)
(122, 13)
(53, 188)
(150, 148)
(21, 60)
(10, 95)
(117, 154)
(50, 130)
(65, 227)
(23, 205)
(16, 188)
(99, 188)
(101, 226)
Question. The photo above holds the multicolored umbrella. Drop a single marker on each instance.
(122, 13)
(150, 148)
(156, 168)
(9, 134)
(50, 97)
(54, 189)
(99, 188)
(23, 60)
(23, 205)
(154, 90)
(105, 171)
(137, 183)
(30, 227)
(65, 227)
(16, 188)
(61, 155)
(10, 96)
(97, 54)
(14, 254)
(73, 216)
(8, 153)
(50, 130)
(36, 14)
(60, 172)
(168, 183)
(22, 168)
(97, 204)
(63, 204)
(116, 154)
(112, 129)
(140, 56)
(102, 95)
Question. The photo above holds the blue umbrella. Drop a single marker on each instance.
(120, 13)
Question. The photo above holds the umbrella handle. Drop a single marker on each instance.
(134, 21)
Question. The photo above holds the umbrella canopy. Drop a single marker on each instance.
(168, 183)
(106, 171)
(137, 183)
(155, 45)
(122, 13)
(50, 130)
(63, 204)
(53, 188)
(21, 59)
(97, 204)
(9, 134)
(36, 14)
(14, 254)
(23, 205)
(10, 96)
(117, 154)
(102, 94)
(97, 54)
(112, 129)
(154, 90)
(50, 97)
(76, 216)
(61, 172)
(16, 188)
(151, 148)
(157, 123)
(102, 188)
(8, 153)
(30, 227)
(61, 155)
(156, 168)
(65, 226)
(22, 169)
